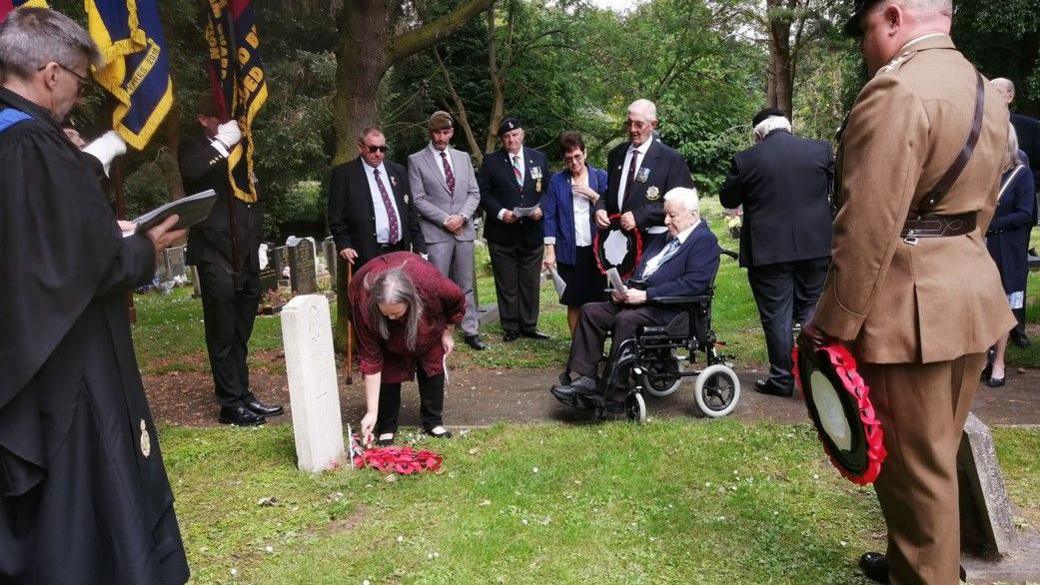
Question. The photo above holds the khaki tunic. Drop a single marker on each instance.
(941, 298)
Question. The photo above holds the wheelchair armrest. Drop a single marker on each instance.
(685, 300)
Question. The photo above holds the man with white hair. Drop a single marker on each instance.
(1028, 131)
(784, 184)
(683, 264)
(911, 287)
(640, 172)
(84, 496)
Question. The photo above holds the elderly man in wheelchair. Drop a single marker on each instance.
(665, 307)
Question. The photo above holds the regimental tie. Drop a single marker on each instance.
(631, 174)
(395, 229)
(664, 256)
(517, 172)
(449, 177)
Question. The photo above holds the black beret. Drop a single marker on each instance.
(508, 125)
(859, 8)
(205, 106)
(766, 113)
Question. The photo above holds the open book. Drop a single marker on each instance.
(190, 211)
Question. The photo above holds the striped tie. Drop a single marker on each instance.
(517, 172)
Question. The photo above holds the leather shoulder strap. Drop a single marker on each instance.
(933, 197)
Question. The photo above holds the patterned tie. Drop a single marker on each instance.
(631, 175)
(449, 177)
(669, 251)
(517, 172)
(395, 230)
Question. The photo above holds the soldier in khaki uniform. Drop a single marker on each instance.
(918, 301)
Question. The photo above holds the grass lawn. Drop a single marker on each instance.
(669, 502)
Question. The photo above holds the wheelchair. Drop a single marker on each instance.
(660, 357)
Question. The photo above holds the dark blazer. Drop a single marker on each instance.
(499, 190)
(202, 167)
(784, 184)
(689, 272)
(1008, 235)
(1028, 131)
(558, 207)
(667, 168)
(352, 216)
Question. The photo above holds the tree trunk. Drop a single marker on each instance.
(780, 82)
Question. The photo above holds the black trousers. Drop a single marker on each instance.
(785, 293)
(518, 269)
(597, 319)
(229, 316)
(431, 403)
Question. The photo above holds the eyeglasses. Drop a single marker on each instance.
(84, 81)
(373, 149)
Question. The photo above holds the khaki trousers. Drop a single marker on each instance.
(922, 408)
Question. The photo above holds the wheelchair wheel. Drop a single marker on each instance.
(635, 408)
(717, 390)
(661, 377)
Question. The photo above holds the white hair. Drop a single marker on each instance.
(1005, 86)
(685, 195)
(30, 38)
(770, 124)
(643, 108)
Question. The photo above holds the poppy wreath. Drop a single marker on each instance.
(400, 460)
(844, 366)
(623, 270)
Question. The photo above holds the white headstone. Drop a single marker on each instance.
(313, 391)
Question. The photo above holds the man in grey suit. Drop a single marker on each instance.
(446, 194)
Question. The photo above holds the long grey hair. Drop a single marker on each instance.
(392, 287)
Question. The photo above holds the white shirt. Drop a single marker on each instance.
(382, 219)
(440, 161)
(654, 263)
(523, 173)
(641, 149)
(582, 209)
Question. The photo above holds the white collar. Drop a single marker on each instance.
(437, 153)
(369, 168)
(642, 148)
(519, 153)
(681, 236)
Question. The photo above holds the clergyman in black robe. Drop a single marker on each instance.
(84, 496)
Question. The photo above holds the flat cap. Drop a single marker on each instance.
(766, 113)
(441, 120)
(859, 8)
(508, 125)
(205, 106)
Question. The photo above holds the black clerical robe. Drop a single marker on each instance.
(84, 496)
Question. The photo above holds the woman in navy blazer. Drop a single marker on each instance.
(569, 226)
(1007, 240)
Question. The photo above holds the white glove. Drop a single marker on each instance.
(106, 148)
(229, 134)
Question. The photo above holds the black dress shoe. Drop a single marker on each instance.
(875, 567)
(565, 378)
(534, 334)
(511, 336)
(264, 409)
(474, 342)
(584, 385)
(764, 387)
(1020, 339)
(240, 416)
(995, 382)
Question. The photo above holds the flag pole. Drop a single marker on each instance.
(236, 266)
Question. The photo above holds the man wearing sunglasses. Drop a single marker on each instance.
(84, 496)
(370, 205)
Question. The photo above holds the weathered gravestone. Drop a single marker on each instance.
(176, 269)
(987, 525)
(302, 269)
(329, 247)
(268, 275)
(280, 258)
(313, 391)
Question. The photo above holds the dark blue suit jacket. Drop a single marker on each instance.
(499, 190)
(1008, 236)
(667, 169)
(558, 207)
(689, 272)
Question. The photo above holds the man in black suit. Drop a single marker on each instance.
(370, 205)
(229, 304)
(512, 179)
(1028, 131)
(683, 264)
(784, 184)
(640, 172)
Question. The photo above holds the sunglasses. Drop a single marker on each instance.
(373, 149)
(85, 82)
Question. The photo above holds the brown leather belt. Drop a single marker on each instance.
(931, 225)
